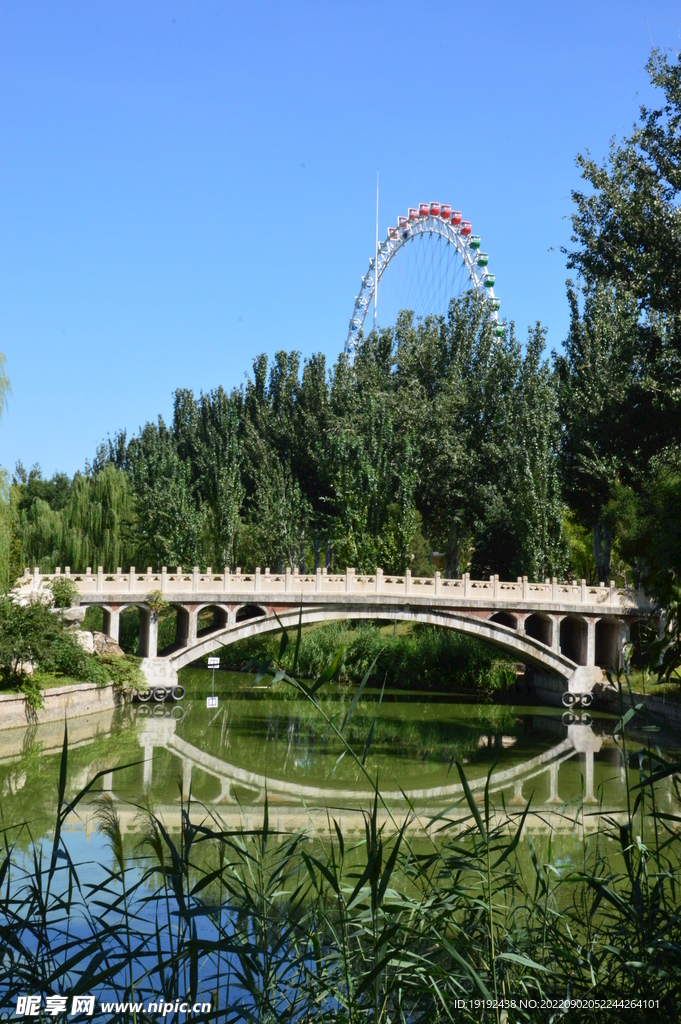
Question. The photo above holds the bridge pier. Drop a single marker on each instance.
(148, 766)
(586, 742)
(590, 642)
(517, 797)
(148, 642)
(112, 621)
(187, 619)
(555, 632)
(186, 778)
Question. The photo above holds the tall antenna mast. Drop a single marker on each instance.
(376, 257)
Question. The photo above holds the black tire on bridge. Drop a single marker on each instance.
(144, 695)
(178, 692)
(160, 693)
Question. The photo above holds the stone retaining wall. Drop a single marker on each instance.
(60, 702)
(606, 698)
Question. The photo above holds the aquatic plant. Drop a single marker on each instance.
(458, 916)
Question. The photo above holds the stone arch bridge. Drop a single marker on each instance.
(568, 632)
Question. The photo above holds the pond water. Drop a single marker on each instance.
(259, 740)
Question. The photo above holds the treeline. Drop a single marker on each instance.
(438, 437)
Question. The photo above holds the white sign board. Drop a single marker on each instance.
(211, 702)
(213, 663)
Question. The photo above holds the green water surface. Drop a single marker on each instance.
(259, 738)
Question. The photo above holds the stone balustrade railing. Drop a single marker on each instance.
(181, 583)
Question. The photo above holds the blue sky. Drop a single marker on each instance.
(186, 185)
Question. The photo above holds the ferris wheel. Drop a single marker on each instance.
(439, 259)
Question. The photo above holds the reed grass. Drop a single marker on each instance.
(450, 918)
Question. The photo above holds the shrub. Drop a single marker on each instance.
(64, 592)
(32, 634)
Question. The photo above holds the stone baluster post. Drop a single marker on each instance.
(195, 579)
(582, 591)
(438, 583)
(164, 579)
(407, 582)
(349, 573)
(466, 584)
(526, 589)
(613, 593)
(36, 579)
(379, 580)
(495, 586)
(131, 580)
(318, 580)
(554, 589)
(226, 580)
(100, 579)
(287, 580)
(256, 581)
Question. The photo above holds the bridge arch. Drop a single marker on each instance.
(607, 640)
(525, 648)
(505, 619)
(574, 638)
(540, 627)
(220, 618)
(249, 611)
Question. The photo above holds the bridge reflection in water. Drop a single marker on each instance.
(581, 760)
(294, 805)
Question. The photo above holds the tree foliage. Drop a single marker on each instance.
(437, 436)
(621, 381)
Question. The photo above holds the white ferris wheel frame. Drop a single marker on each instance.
(423, 224)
